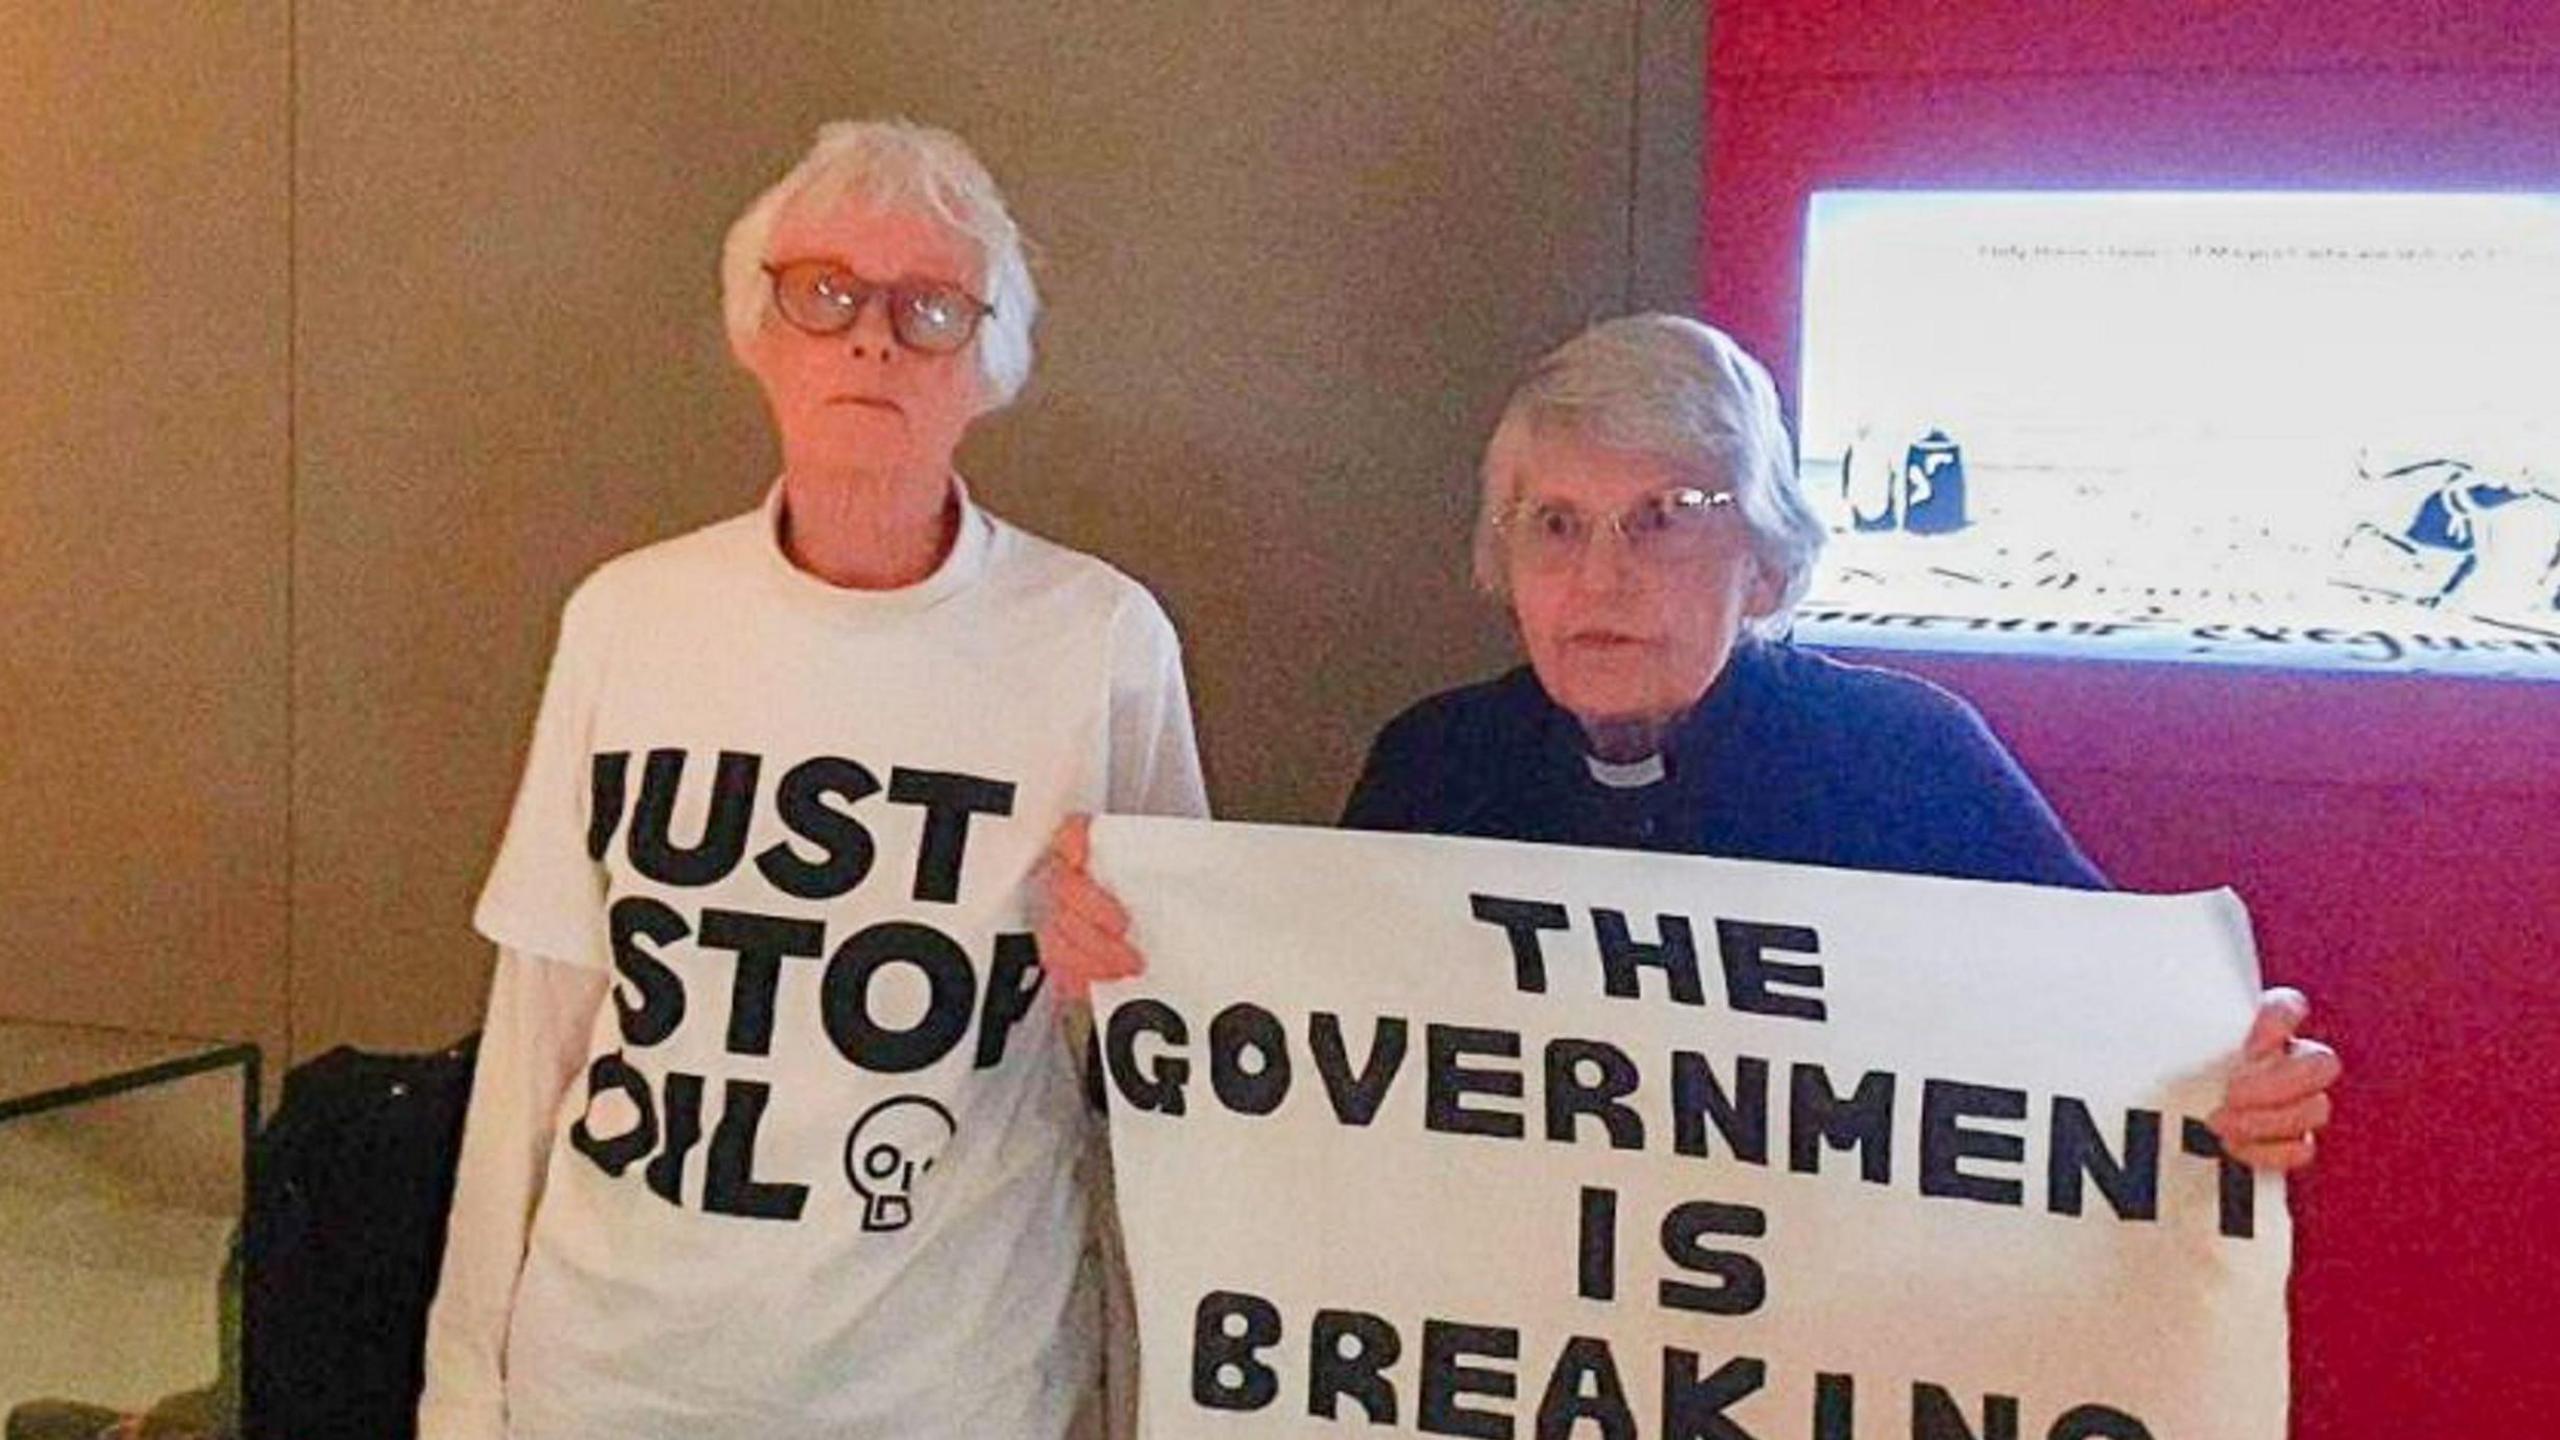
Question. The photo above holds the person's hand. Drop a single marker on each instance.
(2278, 1095)
(1084, 930)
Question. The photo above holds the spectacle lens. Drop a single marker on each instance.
(819, 297)
(1673, 525)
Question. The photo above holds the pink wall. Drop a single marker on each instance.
(2398, 840)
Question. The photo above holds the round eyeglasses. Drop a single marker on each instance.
(821, 297)
(1668, 527)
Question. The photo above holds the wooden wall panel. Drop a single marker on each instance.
(143, 483)
(1293, 255)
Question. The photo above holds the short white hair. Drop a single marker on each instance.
(1681, 392)
(902, 167)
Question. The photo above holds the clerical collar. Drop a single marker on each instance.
(1632, 775)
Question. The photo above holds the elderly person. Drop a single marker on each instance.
(1640, 514)
(813, 1170)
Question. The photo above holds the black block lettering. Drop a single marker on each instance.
(1744, 946)
(729, 1184)
(1601, 1097)
(2132, 1185)
(1012, 981)
(610, 1071)
(1835, 1406)
(1596, 1277)
(1248, 1060)
(1585, 1386)
(655, 1005)
(1740, 1285)
(1351, 1351)
(1946, 1142)
(845, 997)
(761, 943)
(1521, 920)
(949, 799)
(608, 785)
(1448, 1083)
(1862, 1121)
(1693, 1407)
(2238, 1188)
(1935, 1415)
(1228, 1330)
(1154, 1088)
(1740, 1116)
(665, 1170)
(653, 850)
(1447, 1379)
(1622, 956)
(2096, 1422)
(1356, 1095)
(801, 801)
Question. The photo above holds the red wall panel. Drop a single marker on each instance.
(2397, 839)
(1986, 37)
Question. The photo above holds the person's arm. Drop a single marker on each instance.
(1375, 802)
(1155, 757)
(1154, 766)
(2276, 1098)
(1154, 770)
(2011, 832)
(531, 1048)
(1387, 794)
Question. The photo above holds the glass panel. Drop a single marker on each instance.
(2294, 429)
(121, 1180)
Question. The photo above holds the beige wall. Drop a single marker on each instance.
(1292, 252)
(144, 427)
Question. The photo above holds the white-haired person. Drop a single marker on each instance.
(1641, 518)
(814, 1168)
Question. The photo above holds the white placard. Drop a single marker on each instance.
(1434, 1136)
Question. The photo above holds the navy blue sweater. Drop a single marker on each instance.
(1790, 756)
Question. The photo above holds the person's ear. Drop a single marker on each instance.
(751, 349)
(1761, 593)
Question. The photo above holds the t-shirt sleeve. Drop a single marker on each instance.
(531, 1047)
(545, 894)
(1155, 757)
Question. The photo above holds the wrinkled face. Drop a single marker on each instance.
(1619, 637)
(860, 398)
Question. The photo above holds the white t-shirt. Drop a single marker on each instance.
(819, 1176)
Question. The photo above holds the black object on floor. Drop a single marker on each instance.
(349, 1187)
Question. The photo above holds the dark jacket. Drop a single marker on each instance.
(1790, 756)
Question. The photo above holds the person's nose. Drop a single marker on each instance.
(871, 336)
(1605, 562)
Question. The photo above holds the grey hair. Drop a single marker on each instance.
(896, 165)
(1684, 393)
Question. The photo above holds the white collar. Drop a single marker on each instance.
(1632, 775)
